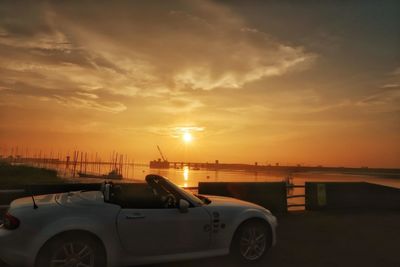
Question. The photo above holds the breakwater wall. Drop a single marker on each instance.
(355, 196)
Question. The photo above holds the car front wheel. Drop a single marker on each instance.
(251, 241)
(72, 250)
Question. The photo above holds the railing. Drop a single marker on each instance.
(290, 196)
(295, 196)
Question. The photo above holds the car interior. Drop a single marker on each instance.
(138, 196)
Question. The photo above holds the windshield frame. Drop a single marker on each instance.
(191, 198)
(187, 195)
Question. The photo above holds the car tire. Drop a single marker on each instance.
(69, 249)
(251, 241)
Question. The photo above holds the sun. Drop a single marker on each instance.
(187, 137)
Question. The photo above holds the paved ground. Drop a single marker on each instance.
(367, 239)
(327, 239)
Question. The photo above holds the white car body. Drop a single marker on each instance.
(130, 236)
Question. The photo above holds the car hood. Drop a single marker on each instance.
(230, 202)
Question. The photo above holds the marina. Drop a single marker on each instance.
(84, 167)
(87, 167)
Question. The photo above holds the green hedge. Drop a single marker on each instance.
(20, 174)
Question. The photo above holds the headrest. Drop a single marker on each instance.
(107, 190)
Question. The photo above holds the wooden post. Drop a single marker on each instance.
(85, 165)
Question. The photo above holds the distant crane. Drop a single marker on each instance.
(162, 156)
(158, 164)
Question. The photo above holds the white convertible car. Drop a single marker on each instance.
(149, 223)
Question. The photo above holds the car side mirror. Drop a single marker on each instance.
(183, 206)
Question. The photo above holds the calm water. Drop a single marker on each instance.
(190, 178)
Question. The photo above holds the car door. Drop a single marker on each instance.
(160, 231)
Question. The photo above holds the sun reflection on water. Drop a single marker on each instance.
(185, 175)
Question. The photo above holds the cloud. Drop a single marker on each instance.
(385, 100)
(175, 105)
(49, 41)
(396, 72)
(76, 102)
(88, 95)
(391, 85)
(147, 50)
(176, 131)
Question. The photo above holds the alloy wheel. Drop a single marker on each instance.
(252, 243)
(73, 254)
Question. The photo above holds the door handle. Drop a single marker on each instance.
(135, 216)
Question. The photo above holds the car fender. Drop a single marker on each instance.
(243, 216)
(106, 233)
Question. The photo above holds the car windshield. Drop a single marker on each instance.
(205, 200)
(186, 194)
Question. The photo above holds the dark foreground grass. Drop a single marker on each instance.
(23, 175)
(327, 239)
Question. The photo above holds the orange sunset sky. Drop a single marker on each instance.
(267, 81)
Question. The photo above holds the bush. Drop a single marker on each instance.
(21, 174)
